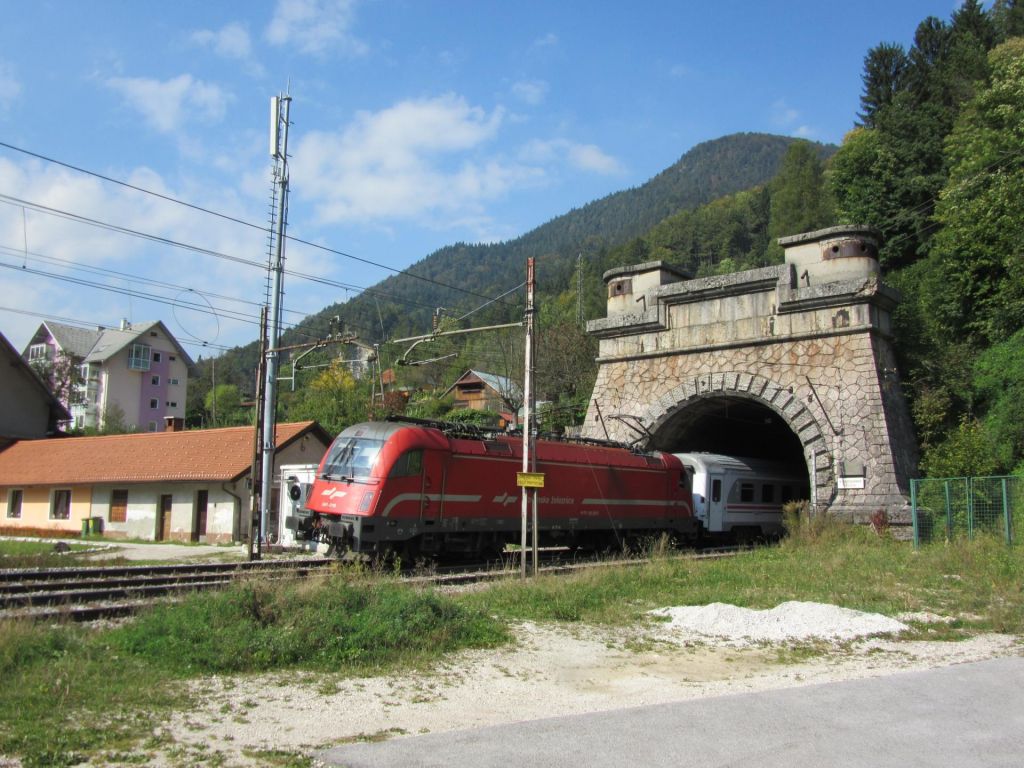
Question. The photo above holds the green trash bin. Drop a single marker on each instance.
(86, 526)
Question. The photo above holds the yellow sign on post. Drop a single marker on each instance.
(530, 479)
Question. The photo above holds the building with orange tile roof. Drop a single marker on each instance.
(173, 485)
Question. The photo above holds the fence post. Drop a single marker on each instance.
(970, 508)
(913, 513)
(949, 512)
(1006, 514)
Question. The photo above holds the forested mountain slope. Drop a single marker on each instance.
(709, 171)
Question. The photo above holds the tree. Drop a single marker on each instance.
(999, 387)
(224, 407)
(977, 287)
(334, 399)
(800, 201)
(63, 377)
(885, 68)
(1008, 19)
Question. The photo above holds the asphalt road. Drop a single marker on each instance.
(969, 715)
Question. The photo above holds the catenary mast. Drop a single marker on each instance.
(280, 107)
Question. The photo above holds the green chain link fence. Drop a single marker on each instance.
(955, 507)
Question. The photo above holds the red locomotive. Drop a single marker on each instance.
(410, 487)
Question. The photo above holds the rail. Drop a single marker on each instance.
(89, 594)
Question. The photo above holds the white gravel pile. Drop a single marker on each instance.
(789, 621)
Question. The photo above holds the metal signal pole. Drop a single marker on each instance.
(280, 107)
(528, 419)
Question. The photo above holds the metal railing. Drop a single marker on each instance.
(965, 507)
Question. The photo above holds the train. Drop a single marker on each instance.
(742, 498)
(409, 488)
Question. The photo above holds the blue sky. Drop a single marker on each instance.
(415, 125)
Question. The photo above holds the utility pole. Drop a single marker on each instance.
(280, 108)
(529, 460)
(579, 289)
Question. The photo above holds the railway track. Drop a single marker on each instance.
(89, 594)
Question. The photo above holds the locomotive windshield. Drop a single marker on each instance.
(351, 458)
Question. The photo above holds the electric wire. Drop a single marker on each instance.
(236, 220)
(97, 325)
(59, 213)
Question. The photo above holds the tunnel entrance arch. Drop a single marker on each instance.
(742, 415)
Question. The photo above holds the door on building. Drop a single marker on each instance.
(163, 518)
(199, 517)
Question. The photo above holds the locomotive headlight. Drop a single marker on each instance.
(364, 505)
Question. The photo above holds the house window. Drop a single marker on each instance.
(156, 357)
(152, 426)
(173, 382)
(83, 371)
(60, 504)
(38, 352)
(155, 380)
(139, 357)
(154, 403)
(119, 506)
(172, 358)
(172, 404)
(14, 502)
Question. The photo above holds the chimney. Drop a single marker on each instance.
(173, 424)
(125, 325)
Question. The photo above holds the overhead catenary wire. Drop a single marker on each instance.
(92, 324)
(236, 220)
(11, 200)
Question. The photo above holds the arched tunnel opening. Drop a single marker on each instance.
(732, 426)
(756, 464)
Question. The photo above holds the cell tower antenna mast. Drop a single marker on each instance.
(280, 108)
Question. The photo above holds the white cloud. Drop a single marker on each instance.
(420, 159)
(10, 88)
(581, 157)
(72, 250)
(168, 104)
(230, 41)
(785, 117)
(316, 26)
(530, 91)
(546, 41)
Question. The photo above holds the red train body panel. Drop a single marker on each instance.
(413, 487)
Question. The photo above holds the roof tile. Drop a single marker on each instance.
(193, 455)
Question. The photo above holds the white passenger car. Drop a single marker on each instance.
(742, 497)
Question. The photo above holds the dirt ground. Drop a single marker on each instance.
(550, 671)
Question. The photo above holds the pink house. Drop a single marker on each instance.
(139, 369)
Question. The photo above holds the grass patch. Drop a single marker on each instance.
(38, 554)
(360, 624)
(978, 582)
